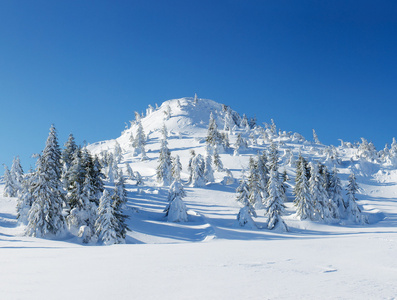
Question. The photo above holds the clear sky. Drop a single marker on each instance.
(86, 66)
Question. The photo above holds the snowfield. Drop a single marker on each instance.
(211, 256)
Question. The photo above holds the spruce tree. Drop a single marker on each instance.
(106, 220)
(176, 168)
(213, 138)
(10, 189)
(263, 171)
(315, 138)
(17, 173)
(254, 185)
(25, 198)
(176, 209)
(164, 165)
(130, 173)
(353, 212)
(45, 216)
(319, 194)
(190, 165)
(217, 160)
(208, 170)
(240, 145)
(303, 202)
(335, 194)
(140, 142)
(275, 203)
(197, 174)
(118, 203)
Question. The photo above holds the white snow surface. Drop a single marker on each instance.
(210, 256)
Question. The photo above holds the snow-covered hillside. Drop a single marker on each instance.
(211, 256)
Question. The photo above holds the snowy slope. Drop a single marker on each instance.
(211, 256)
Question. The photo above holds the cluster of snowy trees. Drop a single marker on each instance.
(265, 189)
(318, 194)
(66, 192)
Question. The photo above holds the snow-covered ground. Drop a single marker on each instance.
(210, 256)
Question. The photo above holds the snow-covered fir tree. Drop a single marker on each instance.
(315, 138)
(273, 157)
(17, 173)
(284, 180)
(130, 172)
(164, 132)
(120, 188)
(197, 171)
(303, 201)
(105, 223)
(244, 216)
(254, 185)
(275, 203)
(68, 152)
(140, 142)
(263, 171)
(335, 194)
(213, 138)
(217, 160)
(176, 210)
(208, 170)
(319, 194)
(118, 152)
(10, 188)
(119, 200)
(45, 216)
(190, 165)
(163, 172)
(25, 198)
(176, 168)
(240, 145)
(353, 212)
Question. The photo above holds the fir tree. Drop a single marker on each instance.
(217, 160)
(208, 170)
(17, 173)
(240, 144)
(140, 142)
(164, 165)
(303, 202)
(119, 219)
(244, 217)
(176, 209)
(352, 210)
(275, 203)
(335, 194)
(315, 138)
(319, 194)
(120, 188)
(190, 166)
(263, 171)
(106, 220)
(45, 216)
(164, 132)
(25, 199)
(254, 185)
(273, 157)
(197, 174)
(130, 173)
(70, 148)
(118, 152)
(10, 189)
(176, 168)
(213, 138)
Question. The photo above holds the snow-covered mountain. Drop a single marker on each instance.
(211, 256)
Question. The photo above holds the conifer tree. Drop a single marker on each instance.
(25, 199)
(213, 138)
(335, 194)
(120, 188)
(106, 220)
(118, 203)
(164, 132)
(244, 217)
(176, 168)
(319, 194)
(140, 142)
(164, 165)
(138, 178)
(303, 202)
(70, 148)
(208, 170)
(176, 209)
(45, 216)
(244, 123)
(254, 186)
(190, 165)
(10, 189)
(315, 138)
(240, 144)
(130, 173)
(118, 153)
(17, 173)
(353, 212)
(217, 160)
(263, 171)
(198, 167)
(284, 180)
(275, 203)
(273, 157)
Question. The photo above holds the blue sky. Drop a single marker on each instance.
(86, 66)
